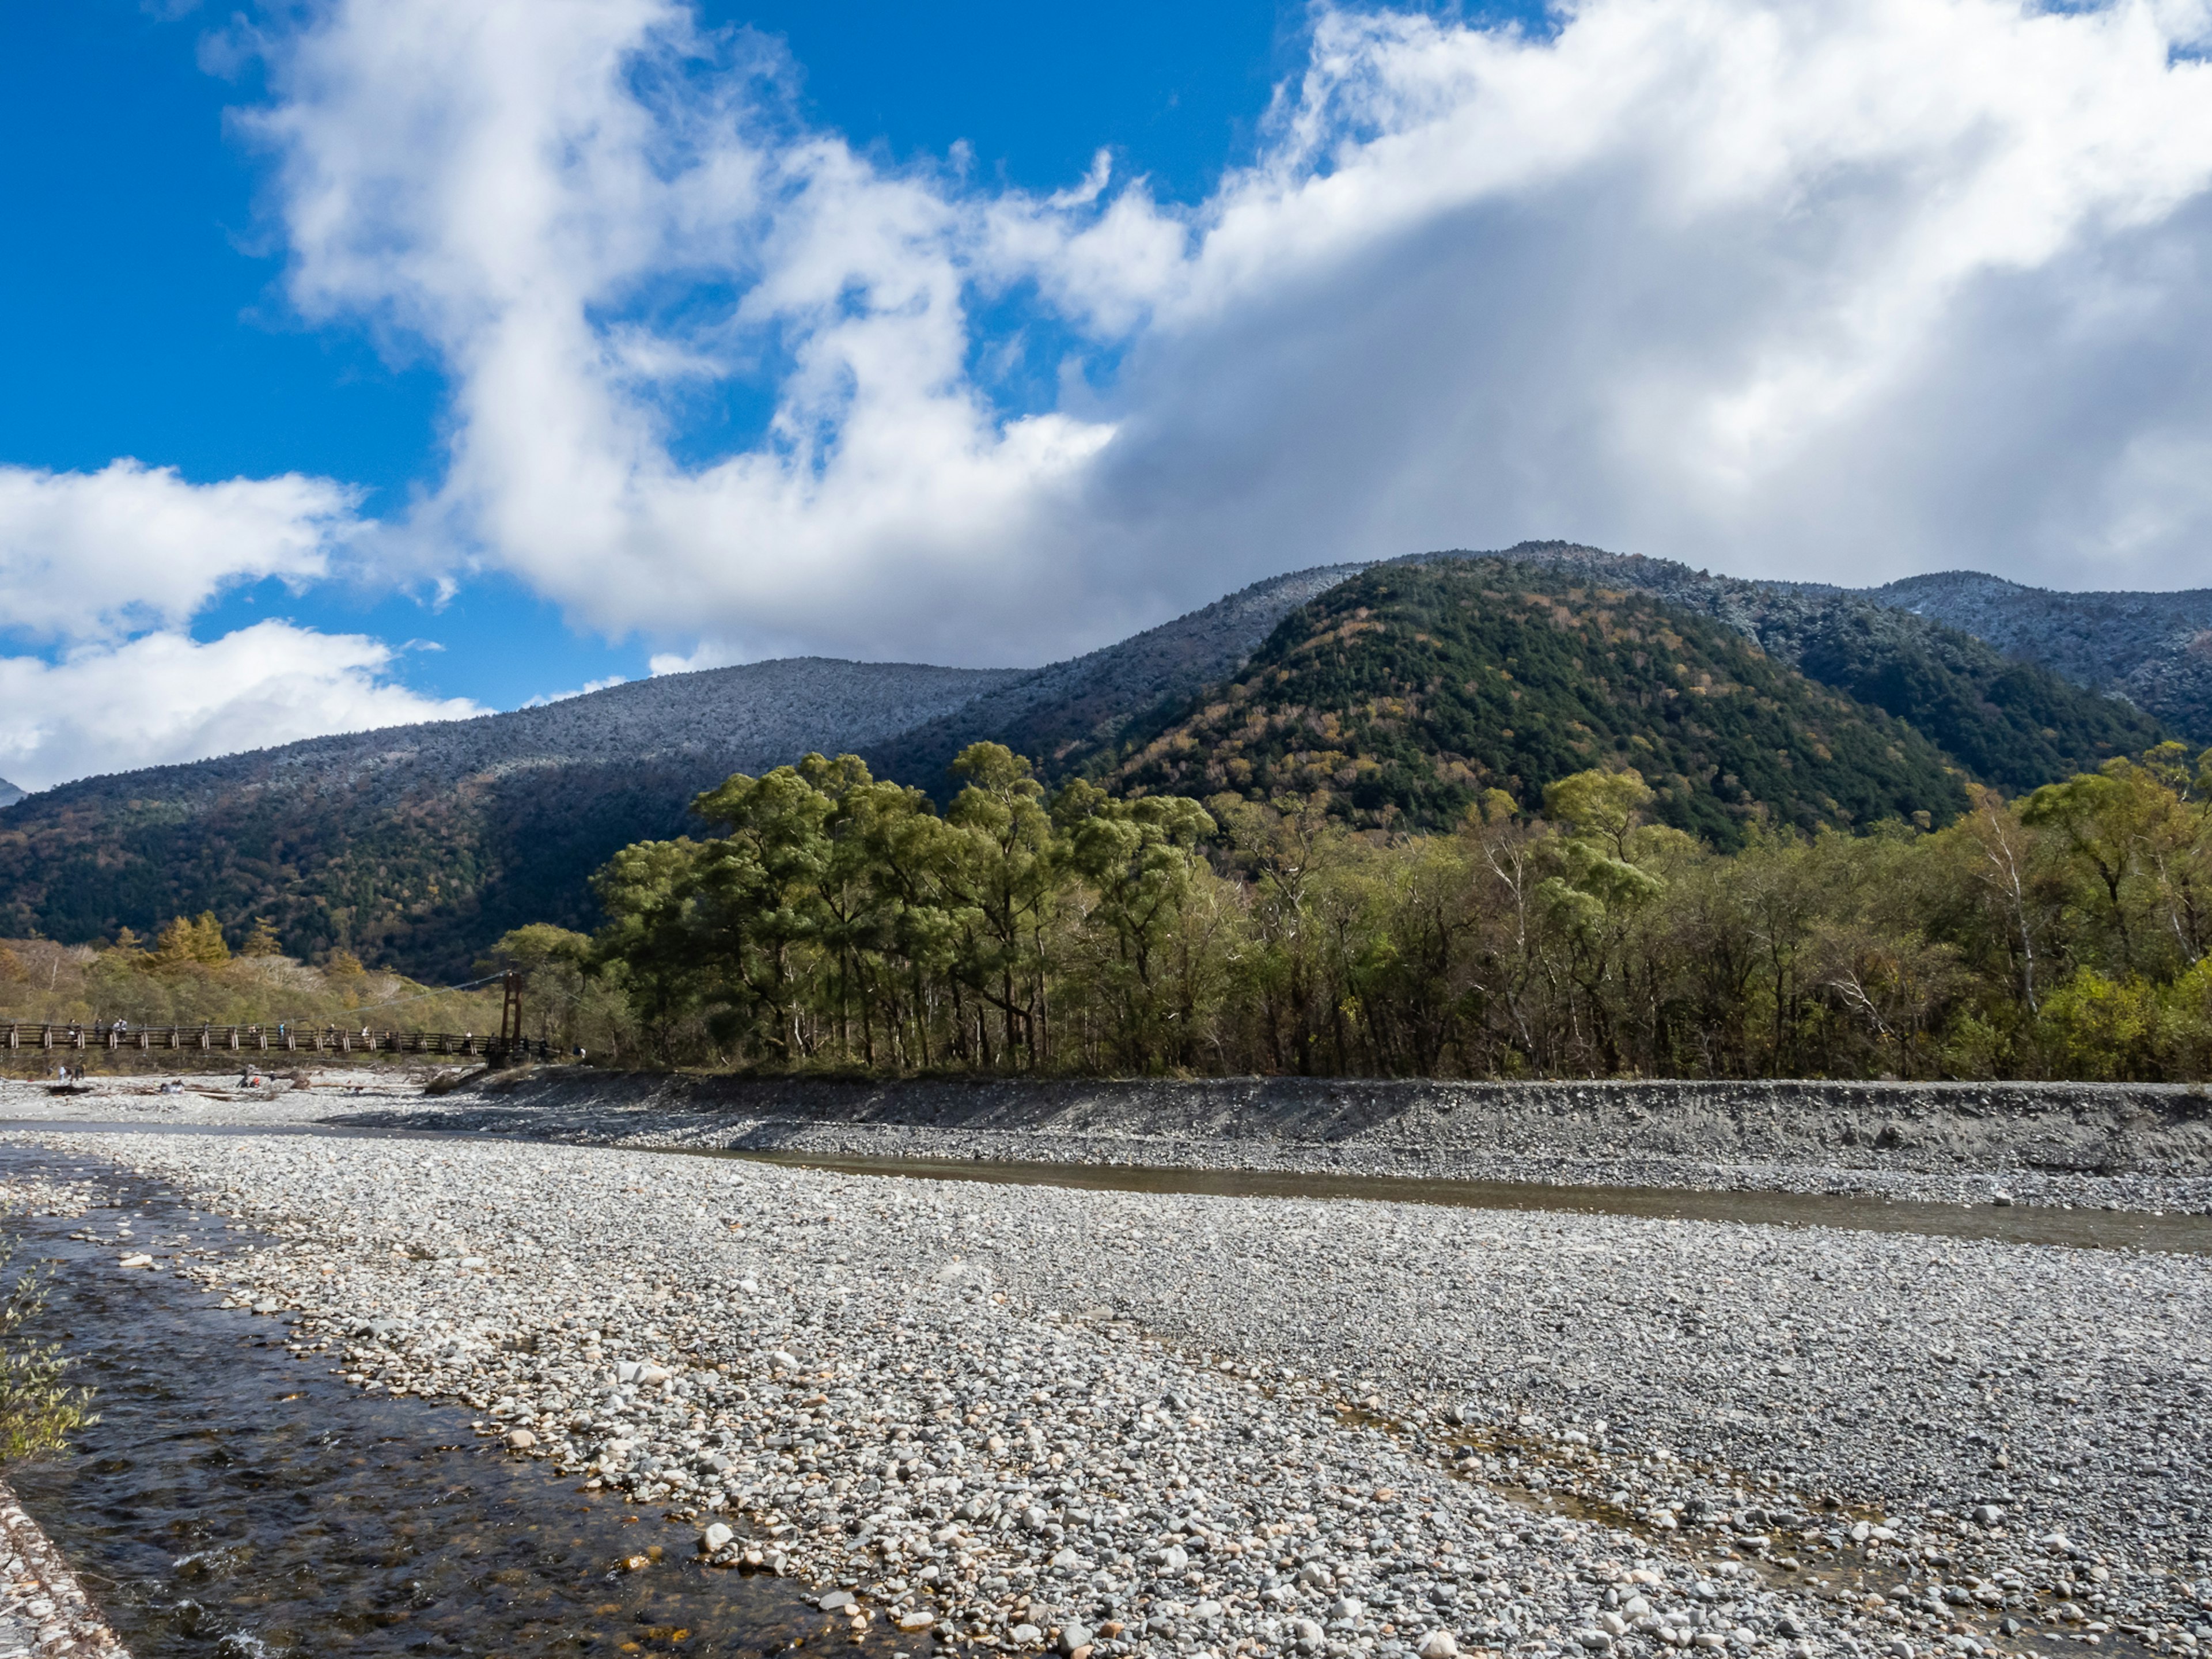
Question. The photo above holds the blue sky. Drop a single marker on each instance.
(151, 320)
(378, 360)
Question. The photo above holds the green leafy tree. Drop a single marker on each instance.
(649, 944)
(1001, 881)
(757, 910)
(39, 1409)
(1140, 860)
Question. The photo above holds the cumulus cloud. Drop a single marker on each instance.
(1836, 288)
(164, 696)
(90, 556)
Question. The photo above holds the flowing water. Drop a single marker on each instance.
(2017, 1223)
(234, 1502)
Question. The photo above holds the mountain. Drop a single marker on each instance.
(9, 794)
(418, 845)
(2012, 724)
(2154, 649)
(1053, 713)
(1408, 690)
(2009, 723)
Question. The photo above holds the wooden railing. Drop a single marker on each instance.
(285, 1039)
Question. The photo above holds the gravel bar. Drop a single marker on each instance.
(44, 1612)
(1116, 1423)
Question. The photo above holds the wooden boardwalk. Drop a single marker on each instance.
(284, 1039)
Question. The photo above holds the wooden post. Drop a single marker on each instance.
(510, 1018)
(45, 1037)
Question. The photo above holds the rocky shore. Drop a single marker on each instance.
(1127, 1423)
(44, 1612)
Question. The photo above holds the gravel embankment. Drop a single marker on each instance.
(2145, 1148)
(2095, 1146)
(44, 1612)
(1156, 1423)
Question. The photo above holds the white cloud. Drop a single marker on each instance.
(1833, 288)
(584, 690)
(94, 556)
(165, 698)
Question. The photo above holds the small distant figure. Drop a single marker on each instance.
(174, 1086)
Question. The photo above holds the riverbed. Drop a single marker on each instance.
(1175, 1422)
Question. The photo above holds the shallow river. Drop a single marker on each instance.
(2017, 1223)
(235, 1502)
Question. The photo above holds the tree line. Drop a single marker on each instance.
(833, 920)
(190, 975)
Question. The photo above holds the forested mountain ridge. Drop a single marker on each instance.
(2012, 723)
(9, 794)
(1411, 690)
(2154, 649)
(1073, 708)
(418, 846)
